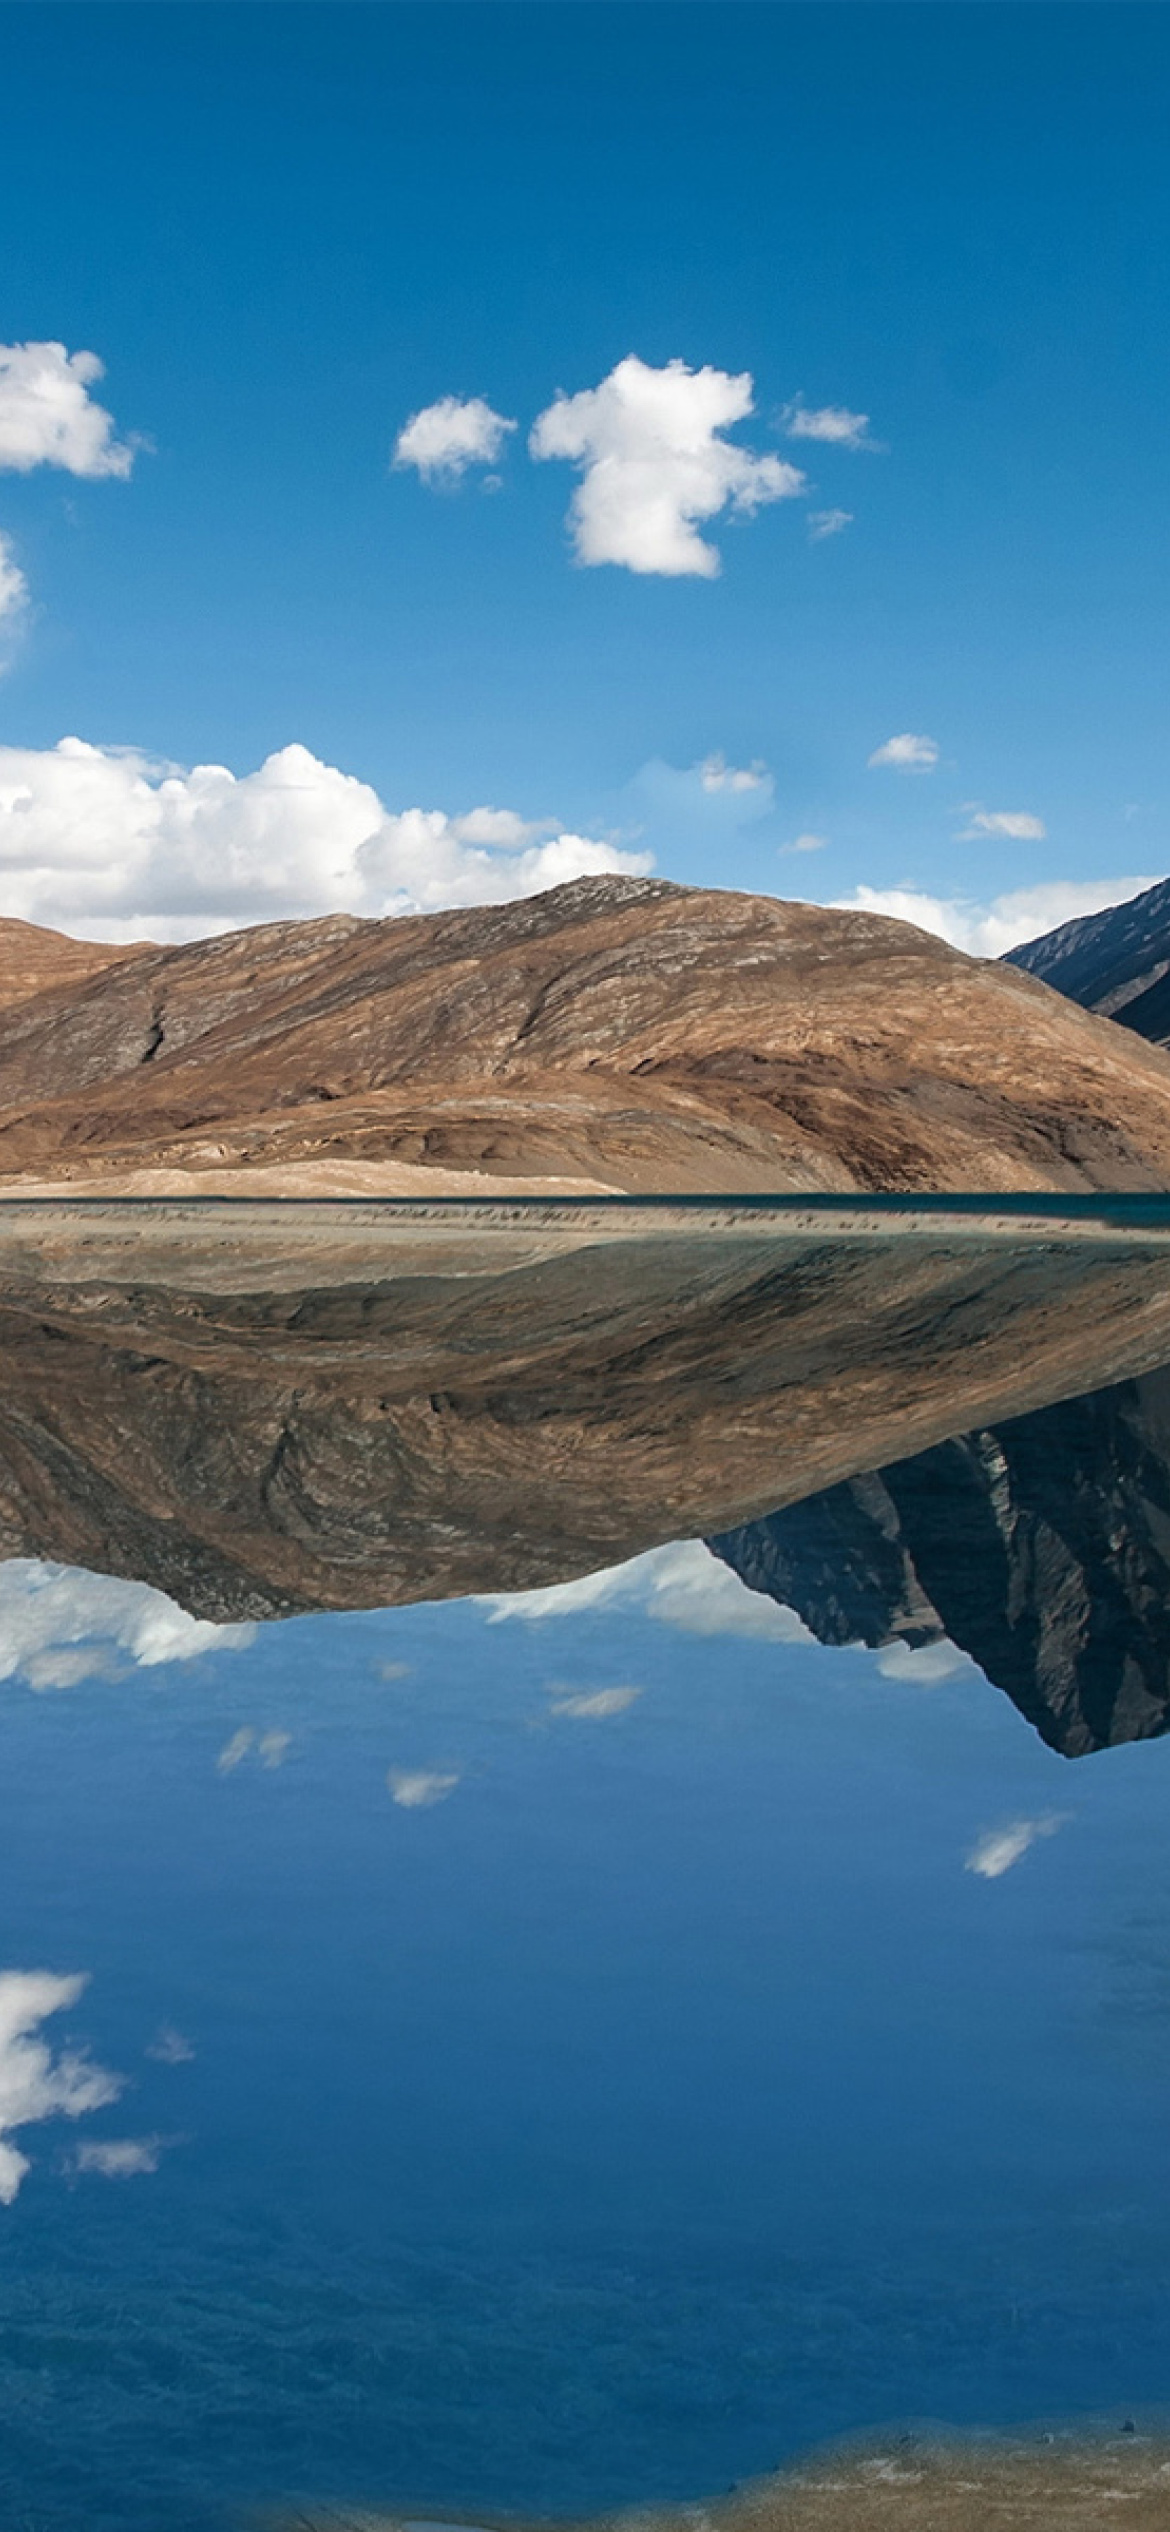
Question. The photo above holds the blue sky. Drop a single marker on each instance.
(287, 230)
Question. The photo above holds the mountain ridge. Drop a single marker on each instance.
(635, 1034)
(1116, 963)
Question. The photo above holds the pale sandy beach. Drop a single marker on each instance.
(906, 2485)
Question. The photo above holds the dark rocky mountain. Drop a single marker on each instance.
(625, 1033)
(1116, 963)
(1040, 1545)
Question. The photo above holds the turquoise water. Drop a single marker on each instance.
(543, 2097)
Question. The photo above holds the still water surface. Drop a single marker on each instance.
(546, 2053)
(545, 2096)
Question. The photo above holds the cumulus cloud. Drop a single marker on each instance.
(1018, 825)
(13, 585)
(715, 774)
(48, 416)
(909, 752)
(446, 438)
(34, 2084)
(654, 464)
(806, 843)
(109, 845)
(832, 423)
(418, 1789)
(823, 523)
(682, 1585)
(119, 2157)
(595, 1705)
(986, 931)
(997, 1851)
(59, 1626)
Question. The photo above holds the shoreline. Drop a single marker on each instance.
(925, 2481)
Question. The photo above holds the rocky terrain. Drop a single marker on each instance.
(619, 1033)
(1040, 1545)
(263, 1408)
(1117, 963)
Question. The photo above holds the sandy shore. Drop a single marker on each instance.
(1053, 2484)
(323, 1179)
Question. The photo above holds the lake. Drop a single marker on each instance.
(540, 2051)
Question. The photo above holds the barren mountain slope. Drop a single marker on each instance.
(33, 960)
(1117, 962)
(624, 1031)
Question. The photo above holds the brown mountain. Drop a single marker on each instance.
(32, 959)
(622, 1033)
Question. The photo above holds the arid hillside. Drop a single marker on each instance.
(620, 1033)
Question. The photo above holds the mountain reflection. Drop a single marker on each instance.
(1040, 1545)
(262, 1410)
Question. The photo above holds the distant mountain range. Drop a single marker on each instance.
(615, 1034)
(1117, 963)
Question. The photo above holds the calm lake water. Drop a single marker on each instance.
(550, 2053)
(570, 2060)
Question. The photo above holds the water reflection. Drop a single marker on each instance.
(537, 2052)
(1040, 1545)
(262, 1409)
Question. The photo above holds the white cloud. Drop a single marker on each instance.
(716, 774)
(807, 843)
(270, 1749)
(446, 438)
(120, 2157)
(48, 416)
(594, 1705)
(108, 844)
(823, 523)
(236, 1750)
(909, 751)
(13, 585)
(833, 423)
(986, 931)
(34, 2084)
(1018, 825)
(682, 1585)
(59, 1626)
(170, 2047)
(996, 1852)
(418, 1789)
(654, 463)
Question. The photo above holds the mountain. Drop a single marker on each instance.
(1117, 963)
(33, 960)
(615, 1033)
(1040, 1545)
